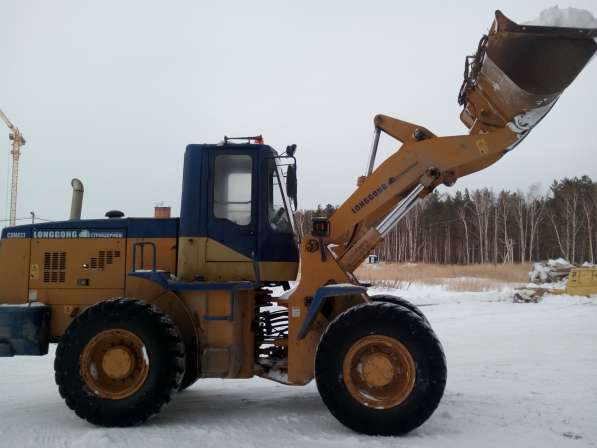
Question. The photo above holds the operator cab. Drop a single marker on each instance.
(236, 217)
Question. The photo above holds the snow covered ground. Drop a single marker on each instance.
(519, 375)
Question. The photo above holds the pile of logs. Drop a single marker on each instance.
(529, 295)
(551, 271)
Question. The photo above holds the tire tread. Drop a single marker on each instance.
(68, 379)
(357, 322)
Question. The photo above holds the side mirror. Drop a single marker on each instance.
(291, 183)
(290, 150)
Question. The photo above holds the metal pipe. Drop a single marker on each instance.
(76, 204)
(373, 153)
(399, 211)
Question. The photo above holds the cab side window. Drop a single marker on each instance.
(232, 188)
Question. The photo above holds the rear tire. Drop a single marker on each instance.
(380, 369)
(187, 381)
(119, 362)
(191, 371)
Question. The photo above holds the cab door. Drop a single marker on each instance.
(232, 214)
(277, 245)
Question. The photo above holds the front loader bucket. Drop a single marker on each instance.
(519, 72)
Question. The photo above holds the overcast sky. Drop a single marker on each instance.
(113, 91)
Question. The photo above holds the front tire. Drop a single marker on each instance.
(399, 301)
(119, 362)
(380, 369)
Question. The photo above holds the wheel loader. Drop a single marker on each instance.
(143, 307)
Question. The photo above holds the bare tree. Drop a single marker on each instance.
(482, 227)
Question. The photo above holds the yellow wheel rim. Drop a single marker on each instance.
(379, 372)
(114, 364)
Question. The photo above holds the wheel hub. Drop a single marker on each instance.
(114, 364)
(118, 362)
(379, 371)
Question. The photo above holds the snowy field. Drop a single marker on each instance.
(519, 375)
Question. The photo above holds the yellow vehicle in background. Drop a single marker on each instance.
(582, 281)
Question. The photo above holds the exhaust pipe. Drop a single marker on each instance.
(77, 202)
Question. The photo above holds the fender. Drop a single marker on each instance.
(321, 295)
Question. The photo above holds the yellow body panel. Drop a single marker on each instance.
(225, 331)
(209, 260)
(70, 275)
(215, 251)
(14, 270)
(82, 263)
(315, 273)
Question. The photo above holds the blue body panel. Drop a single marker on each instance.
(24, 330)
(193, 205)
(130, 227)
(163, 279)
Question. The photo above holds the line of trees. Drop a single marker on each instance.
(484, 226)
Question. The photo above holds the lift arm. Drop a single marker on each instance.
(511, 83)
(421, 164)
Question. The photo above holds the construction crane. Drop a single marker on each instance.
(17, 141)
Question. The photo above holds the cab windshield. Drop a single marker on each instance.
(278, 207)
